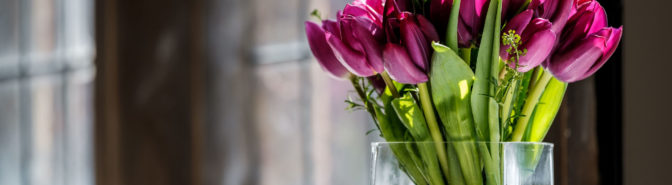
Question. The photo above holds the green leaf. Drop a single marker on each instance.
(412, 117)
(451, 80)
(487, 68)
(316, 13)
(492, 166)
(546, 109)
(392, 130)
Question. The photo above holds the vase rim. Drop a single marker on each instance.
(503, 142)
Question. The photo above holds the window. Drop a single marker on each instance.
(46, 83)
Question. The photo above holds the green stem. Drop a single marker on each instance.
(390, 84)
(465, 53)
(530, 103)
(363, 97)
(534, 78)
(508, 103)
(433, 125)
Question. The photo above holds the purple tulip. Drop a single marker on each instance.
(557, 11)
(586, 44)
(322, 51)
(408, 50)
(536, 37)
(355, 39)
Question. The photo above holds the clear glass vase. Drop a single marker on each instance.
(463, 163)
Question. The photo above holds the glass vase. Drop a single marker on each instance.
(464, 163)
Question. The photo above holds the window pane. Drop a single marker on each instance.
(9, 34)
(10, 133)
(79, 128)
(41, 37)
(78, 32)
(46, 131)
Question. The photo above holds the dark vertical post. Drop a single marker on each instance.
(609, 93)
(149, 92)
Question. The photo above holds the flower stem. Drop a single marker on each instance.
(362, 95)
(465, 53)
(430, 117)
(530, 103)
(390, 84)
(507, 105)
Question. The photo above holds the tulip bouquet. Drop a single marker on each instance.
(462, 70)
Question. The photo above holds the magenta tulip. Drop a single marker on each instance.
(536, 37)
(408, 50)
(356, 38)
(586, 44)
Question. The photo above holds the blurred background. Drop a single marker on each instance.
(149, 92)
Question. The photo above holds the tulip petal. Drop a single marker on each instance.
(464, 36)
(322, 51)
(536, 25)
(400, 67)
(354, 61)
(571, 65)
(365, 33)
(557, 11)
(415, 42)
(332, 27)
(519, 22)
(539, 46)
(348, 34)
(599, 18)
(560, 16)
(362, 10)
(613, 38)
(427, 29)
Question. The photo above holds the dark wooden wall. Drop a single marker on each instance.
(149, 92)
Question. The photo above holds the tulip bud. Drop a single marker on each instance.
(417, 40)
(536, 41)
(407, 53)
(586, 44)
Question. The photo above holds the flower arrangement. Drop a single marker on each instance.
(462, 70)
